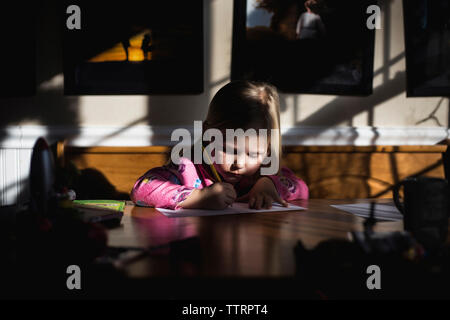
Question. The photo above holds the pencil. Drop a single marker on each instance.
(212, 166)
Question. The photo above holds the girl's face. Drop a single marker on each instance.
(240, 162)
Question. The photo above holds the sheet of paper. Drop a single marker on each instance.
(383, 212)
(238, 207)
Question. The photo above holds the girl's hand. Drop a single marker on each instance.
(262, 195)
(217, 196)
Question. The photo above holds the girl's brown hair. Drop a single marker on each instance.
(246, 104)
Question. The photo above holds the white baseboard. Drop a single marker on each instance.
(364, 136)
(25, 136)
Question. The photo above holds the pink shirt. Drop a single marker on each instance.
(169, 185)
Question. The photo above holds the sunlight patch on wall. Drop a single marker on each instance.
(219, 50)
(112, 110)
(55, 83)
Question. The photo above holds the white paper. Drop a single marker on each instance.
(385, 212)
(238, 207)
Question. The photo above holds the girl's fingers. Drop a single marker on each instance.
(229, 195)
(259, 202)
(232, 194)
(267, 202)
(281, 201)
(230, 190)
(229, 198)
(251, 202)
(227, 186)
(228, 201)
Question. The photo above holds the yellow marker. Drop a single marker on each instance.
(213, 169)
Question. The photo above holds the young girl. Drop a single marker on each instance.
(238, 105)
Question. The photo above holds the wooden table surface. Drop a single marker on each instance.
(242, 245)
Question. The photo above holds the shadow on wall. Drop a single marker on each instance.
(170, 110)
(49, 105)
(344, 108)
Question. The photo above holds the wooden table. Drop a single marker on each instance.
(244, 245)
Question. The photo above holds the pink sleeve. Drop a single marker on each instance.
(160, 187)
(289, 186)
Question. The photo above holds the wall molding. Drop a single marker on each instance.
(23, 137)
(365, 136)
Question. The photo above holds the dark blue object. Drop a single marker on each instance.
(42, 177)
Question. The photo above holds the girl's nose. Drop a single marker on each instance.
(236, 166)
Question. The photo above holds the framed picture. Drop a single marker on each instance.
(18, 53)
(312, 46)
(427, 42)
(135, 47)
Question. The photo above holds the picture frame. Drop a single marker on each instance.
(18, 54)
(427, 47)
(137, 47)
(267, 47)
